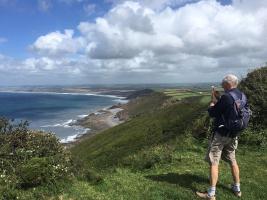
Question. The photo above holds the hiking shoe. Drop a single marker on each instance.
(204, 195)
(236, 193)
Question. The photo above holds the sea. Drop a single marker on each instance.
(54, 112)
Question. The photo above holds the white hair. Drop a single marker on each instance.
(230, 79)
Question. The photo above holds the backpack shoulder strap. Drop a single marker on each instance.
(233, 95)
(237, 102)
(241, 101)
(243, 98)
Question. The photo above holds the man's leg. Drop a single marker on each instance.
(236, 178)
(213, 156)
(235, 172)
(213, 181)
(230, 157)
(214, 172)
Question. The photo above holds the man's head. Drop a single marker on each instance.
(229, 82)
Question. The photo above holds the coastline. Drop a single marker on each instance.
(64, 93)
(97, 122)
(89, 123)
(108, 117)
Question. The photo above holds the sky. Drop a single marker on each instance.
(51, 42)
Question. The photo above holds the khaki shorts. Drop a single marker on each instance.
(221, 147)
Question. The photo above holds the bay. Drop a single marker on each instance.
(53, 112)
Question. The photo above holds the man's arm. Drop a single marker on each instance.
(215, 110)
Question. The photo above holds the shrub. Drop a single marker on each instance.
(255, 87)
(254, 137)
(202, 126)
(31, 158)
(34, 172)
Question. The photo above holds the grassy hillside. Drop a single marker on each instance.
(156, 126)
(177, 178)
(157, 154)
(143, 104)
(170, 179)
(154, 156)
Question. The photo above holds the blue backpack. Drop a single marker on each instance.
(240, 120)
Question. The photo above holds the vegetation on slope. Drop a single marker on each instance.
(255, 87)
(29, 159)
(152, 128)
(157, 154)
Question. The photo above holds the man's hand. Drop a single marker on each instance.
(212, 104)
(213, 97)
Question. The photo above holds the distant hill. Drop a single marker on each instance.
(140, 93)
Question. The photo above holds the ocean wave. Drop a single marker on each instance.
(123, 101)
(65, 124)
(97, 113)
(73, 138)
(82, 116)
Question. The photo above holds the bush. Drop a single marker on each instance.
(34, 172)
(202, 126)
(30, 158)
(254, 137)
(255, 87)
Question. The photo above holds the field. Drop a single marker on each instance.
(180, 94)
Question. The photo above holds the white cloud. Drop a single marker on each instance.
(6, 63)
(248, 5)
(136, 42)
(126, 31)
(42, 63)
(57, 43)
(205, 29)
(203, 37)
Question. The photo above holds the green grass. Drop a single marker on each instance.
(178, 179)
(147, 104)
(154, 156)
(110, 147)
(175, 178)
(181, 94)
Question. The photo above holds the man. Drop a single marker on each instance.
(223, 142)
